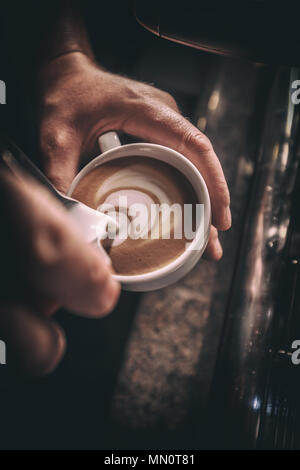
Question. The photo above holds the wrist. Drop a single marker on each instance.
(51, 70)
(69, 33)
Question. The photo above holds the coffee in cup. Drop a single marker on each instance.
(150, 197)
(140, 174)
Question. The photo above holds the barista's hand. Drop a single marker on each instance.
(45, 265)
(79, 101)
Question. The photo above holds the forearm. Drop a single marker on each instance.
(68, 33)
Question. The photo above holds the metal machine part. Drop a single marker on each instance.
(262, 30)
(257, 408)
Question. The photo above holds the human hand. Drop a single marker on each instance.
(44, 265)
(79, 101)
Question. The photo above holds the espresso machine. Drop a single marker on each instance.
(259, 30)
(253, 397)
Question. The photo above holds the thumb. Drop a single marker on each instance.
(60, 147)
(36, 343)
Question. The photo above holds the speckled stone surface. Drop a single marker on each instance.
(163, 353)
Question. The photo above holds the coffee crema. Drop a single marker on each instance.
(145, 181)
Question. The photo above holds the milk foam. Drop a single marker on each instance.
(134, 187)
(145, 182)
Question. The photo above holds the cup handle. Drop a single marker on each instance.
(108, 141)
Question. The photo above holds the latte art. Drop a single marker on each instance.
(138, 197)
(135, 191)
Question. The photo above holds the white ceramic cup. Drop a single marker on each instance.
(111, 147)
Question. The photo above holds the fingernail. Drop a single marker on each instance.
(219, 249)
(227, 218)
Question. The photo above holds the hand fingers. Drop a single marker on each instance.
(51, 255)
(162, 125)
(67, 269)
(60, 147)
(36, 344)
(71, 272)
(41, 304)
(213, 249)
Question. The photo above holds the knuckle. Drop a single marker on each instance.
(54, 140)
(169, 100)
(48, 245)
(51, 102)
(196, 140)
(201, 141)
(133, 92)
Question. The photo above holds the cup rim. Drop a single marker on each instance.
(145, 150)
